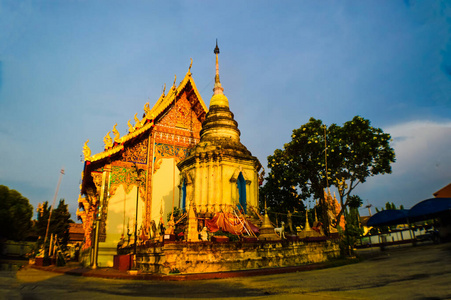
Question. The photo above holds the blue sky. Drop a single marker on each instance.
(70, 70)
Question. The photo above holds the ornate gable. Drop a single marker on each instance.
(191, 111)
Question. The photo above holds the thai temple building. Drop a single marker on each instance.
(145, 157)
(183, 155)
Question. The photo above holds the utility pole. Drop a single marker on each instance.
(369, 207)
(51, 208)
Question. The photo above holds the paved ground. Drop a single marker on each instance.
(422, 272)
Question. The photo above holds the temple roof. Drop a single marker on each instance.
(164, 101)
(116, 144)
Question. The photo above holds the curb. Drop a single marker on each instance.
(111, 273)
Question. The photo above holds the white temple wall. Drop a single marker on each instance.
(163, 189)
(121, 215)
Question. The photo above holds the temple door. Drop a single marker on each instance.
(183, 200)
(241, 184)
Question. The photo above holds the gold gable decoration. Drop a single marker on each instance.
(130, 127)
(108, 141)
(116, 134)
(86, 151)
(116, 144)
(138, 123)
(136, 153)
(127, 177)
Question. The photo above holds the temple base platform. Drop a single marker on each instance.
(200, 257)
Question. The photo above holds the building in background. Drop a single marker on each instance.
(444, 192)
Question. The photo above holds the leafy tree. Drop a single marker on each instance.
(355, 202)
(352, 231)
(389, 206)
(355, 151)
(365, 151)
(15, 215)
(59, 223)
(297, 171)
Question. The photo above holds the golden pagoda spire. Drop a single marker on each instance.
(218, 91)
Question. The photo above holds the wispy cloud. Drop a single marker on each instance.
(423, 161)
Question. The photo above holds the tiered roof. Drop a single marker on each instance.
(113, 146)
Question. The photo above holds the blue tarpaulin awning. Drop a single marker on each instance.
(424, 210)
(429, 208)
(389, 217)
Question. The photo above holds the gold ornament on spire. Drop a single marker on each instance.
(108, 141)
(116, 134)
(175, 79)
(86, 150)
(190, 65)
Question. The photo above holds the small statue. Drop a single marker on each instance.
(162, 229)
(144, 236)
(171, 226)
(280, 230)
(204, 234)
(153, 229)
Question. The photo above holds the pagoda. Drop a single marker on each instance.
(219, 174)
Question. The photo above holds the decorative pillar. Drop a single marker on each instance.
(204, 182)
(233, 193)
(197, 183)
(218, 195)
(249, 195)
(211, 183)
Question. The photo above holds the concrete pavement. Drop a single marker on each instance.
(422, 272)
